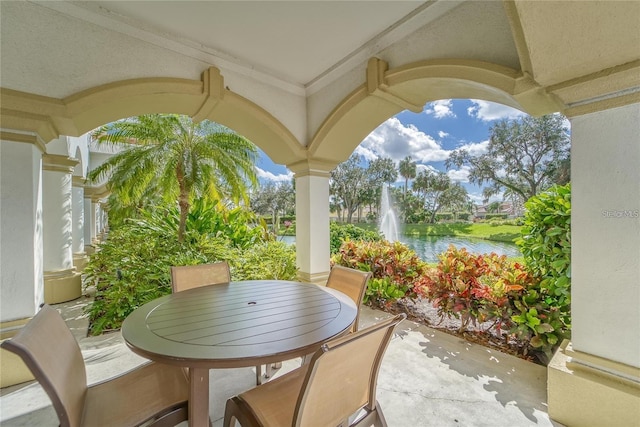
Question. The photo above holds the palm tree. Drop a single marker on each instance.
(407, 170)
(172, 156)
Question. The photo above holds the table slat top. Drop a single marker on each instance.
(239, 323)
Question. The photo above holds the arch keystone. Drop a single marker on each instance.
(213, 89)
(377, 86)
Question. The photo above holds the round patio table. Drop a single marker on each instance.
(238, 324)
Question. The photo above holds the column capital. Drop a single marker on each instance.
(58, 163)
(96, 193)
(312, 167)
(78, 181)
(24, 137)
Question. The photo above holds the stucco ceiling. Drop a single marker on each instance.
(568, 53)
(295, 41)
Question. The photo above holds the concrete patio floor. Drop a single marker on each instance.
(428, 378)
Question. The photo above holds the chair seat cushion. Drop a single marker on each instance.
(136, 396)
(274, 402)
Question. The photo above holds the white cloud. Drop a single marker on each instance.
(459, 175)
(395, 140)
(476, 148)
(266, 175)
(489, 111)
(476, 198)
(442, 134)
(440, 109)
(367, 153)
(424, 168)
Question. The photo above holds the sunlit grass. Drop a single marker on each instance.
(500, 233)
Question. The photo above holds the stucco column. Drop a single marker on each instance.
(61, 280)
(595, 378)
(20, 226)
(21, 251)
(312, 222)
(89, 225)
(78, 223)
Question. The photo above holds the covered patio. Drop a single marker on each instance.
(428, 378)
(306, 82)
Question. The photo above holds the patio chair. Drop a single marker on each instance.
(152, 392)
(193, 276)
(338, 383)
(352, 283)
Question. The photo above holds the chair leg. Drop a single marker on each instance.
(382, 422)
(230, 411)
(236, 411)
(277, 365)
(258, 374)
(269, 370)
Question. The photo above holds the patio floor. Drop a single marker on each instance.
(428, 378)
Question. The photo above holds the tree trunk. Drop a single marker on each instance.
(184, 211)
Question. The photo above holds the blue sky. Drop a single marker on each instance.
(429, 137)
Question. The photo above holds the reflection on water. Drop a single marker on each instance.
(429, 247)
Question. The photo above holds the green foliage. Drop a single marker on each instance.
(267, 260)
(533, 303)
(133, 266)
(476, 288)
(490, 288)
(444, 216)
(397, 270)
(523, 156)
(491, 216)
(341, 232)
(546, 247)
(382, 291)
(170, 156)
(438, 191)
(206, 218)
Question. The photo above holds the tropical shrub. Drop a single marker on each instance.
(475, 288)
(397, 270)
(133, 266)
(340, 232)
(266, 260)
(544, 313)
(242, 227)
(444, 216)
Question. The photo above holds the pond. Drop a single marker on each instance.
(428, 247)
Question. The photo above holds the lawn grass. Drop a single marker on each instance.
(480, 230)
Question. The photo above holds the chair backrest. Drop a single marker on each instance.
(50, 351)
(194, 276)
(352, 283)
(342, 376)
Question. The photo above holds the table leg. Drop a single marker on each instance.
(199, 397)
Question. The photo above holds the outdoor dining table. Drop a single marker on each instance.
(238, 324)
